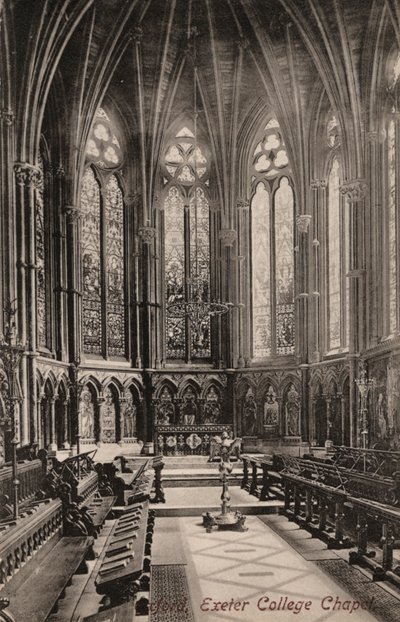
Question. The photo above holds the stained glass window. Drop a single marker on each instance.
(91, 264)
(41, 276)
(174, 269)
(272, 213)
(114, 207)
(199, 215)
(338, 261)
(186, 244)
(102, 242)
(334, 272)
(284, 282)
(260, 217)
(392, 226)
(103, 147)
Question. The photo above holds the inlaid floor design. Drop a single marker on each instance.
(255, 575)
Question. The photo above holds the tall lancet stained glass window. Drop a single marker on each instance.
(115, 267)
(41, 273)
(338, 260)
(91, 264)
(272, 244)
(392, 226)
(102, 244)
(186, 244)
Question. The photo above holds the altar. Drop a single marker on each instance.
(187, 440)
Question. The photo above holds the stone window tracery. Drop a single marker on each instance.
(102, 255)
(272, 228)
(186, 244)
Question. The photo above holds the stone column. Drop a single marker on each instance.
(72, 214)
(60, 277)
(243, 280)
(27, 178)
(303, 223)
(216, 284)
(318, 187)
(147, 235)
(375, 240)
(66, 443)
(354, 192)
(228, 238)
(133, 205)
(53, 440)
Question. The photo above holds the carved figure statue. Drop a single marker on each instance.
(224, 447)
(189, 409)
(381, 416)
(86, 413)
(129, 417)
(166, 409)
(292, 412)
(108, 418)
(250, 414)
(212, 412)
(271, 409)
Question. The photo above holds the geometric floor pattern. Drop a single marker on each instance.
(258, 577)
(357, 584)
(169, 594)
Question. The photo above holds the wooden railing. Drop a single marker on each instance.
(30, 478)
(261, 476)
(21, 540)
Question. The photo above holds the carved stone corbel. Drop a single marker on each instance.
(147, 234)
(354, 190)
(227, 236)
(303, 222)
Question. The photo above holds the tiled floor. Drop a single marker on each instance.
(249, 568)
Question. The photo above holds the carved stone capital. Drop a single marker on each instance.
(137, 35)
(354, 190)
(60, 171)
(317, 184)
(7, 116)
(72, 213)
(372, 137)
(243, 204)
(227, 236)
(215, 206)
(303, 222)
(49, 170)
(147, 234)
(132, 199)
(26, 174)
(243, 43)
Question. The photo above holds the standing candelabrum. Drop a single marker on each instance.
(364, 385)
(11, 352)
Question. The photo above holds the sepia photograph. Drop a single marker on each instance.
(199, 310)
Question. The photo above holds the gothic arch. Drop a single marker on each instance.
(166, 384)
(187, 384)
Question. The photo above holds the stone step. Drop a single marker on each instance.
(191, 481)
(194, 462)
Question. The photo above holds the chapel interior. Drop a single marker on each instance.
(199, 310)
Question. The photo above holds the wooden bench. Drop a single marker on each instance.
(37, 597)
(271, 483)
(127, 555)
(121, 613)
(388, 519)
